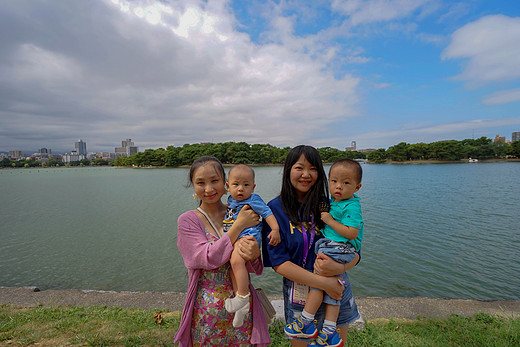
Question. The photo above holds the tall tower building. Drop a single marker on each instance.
(515, 136)
(80, 147)
(352, 146)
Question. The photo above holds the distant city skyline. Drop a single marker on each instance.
(350, 144)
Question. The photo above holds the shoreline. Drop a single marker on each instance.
(371, 308)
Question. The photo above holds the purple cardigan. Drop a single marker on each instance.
(200, 254)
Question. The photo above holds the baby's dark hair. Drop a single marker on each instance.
(349, 163)
(237, 166)
(203, 161)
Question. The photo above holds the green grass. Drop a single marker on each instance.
(112, 326)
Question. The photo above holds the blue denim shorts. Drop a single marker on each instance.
(342, 252)
(347, 313)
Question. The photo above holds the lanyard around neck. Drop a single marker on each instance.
(306, 244)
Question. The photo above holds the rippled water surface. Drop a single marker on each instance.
(436, 230)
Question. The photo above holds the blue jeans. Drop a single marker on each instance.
(347, 313)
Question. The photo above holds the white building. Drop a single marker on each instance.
(72, 156)
(127, 148)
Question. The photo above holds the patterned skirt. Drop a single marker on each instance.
(212, 325)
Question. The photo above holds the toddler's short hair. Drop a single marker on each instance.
(350, 163)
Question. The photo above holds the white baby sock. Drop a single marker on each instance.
(236, 303)
(238, 320)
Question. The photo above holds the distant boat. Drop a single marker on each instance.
(472, 160)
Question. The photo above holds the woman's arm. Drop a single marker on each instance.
(298, 274)
(325, 266)
(197, 252)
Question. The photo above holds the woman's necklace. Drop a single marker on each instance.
(210, 221)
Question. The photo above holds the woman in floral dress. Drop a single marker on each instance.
(206, 251)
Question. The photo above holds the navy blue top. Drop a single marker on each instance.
(291, 246)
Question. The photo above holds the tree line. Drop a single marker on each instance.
(227, 153)
(244, 153)
(449, 150)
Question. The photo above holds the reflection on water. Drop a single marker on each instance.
(437, 230)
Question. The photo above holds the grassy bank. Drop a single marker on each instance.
(109, 326)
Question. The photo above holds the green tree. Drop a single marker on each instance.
(446, 150)
(84, 162)
(123, 161)
(172, 156)
(6, 162)
(418, 151)
(330, 154)
(377, 156)
(499, 149)
(99, 162)
(398, 152)
(159, 158)
(259, 154)
(514, 149)
(188, 153)
(237, 152)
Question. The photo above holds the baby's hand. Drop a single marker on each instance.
(326, 217)
(274, 237)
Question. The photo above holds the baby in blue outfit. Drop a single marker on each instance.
(241, 184)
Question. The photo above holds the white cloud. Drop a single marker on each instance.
(371, 11)
(502, 97)
(492, 46)
(160, 74)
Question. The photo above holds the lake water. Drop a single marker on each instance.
(435, 230)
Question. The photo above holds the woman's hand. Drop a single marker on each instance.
(247, 248)
(246, 218)
(334, 287)
(325, 266)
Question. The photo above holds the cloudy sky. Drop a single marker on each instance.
(284, 72)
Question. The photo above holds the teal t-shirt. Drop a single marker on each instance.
(347, 212)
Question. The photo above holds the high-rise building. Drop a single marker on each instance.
(515, 136)
(127, 148)
(80, 147)
(15, 155)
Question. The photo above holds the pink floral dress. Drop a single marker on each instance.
(212, 325)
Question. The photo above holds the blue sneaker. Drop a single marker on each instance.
(328, 340)
(299, 330)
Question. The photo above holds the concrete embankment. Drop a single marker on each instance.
(371, 308)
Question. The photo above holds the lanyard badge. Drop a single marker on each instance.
(300, 291)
